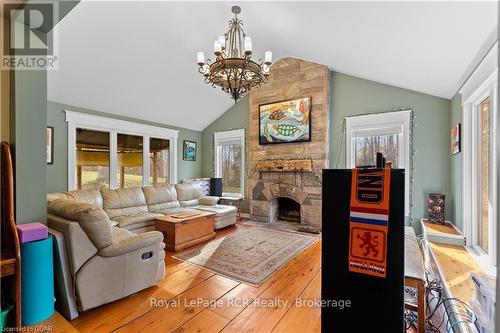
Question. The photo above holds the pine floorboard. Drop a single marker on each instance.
(230, 306)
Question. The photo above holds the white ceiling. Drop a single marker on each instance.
(137, 58)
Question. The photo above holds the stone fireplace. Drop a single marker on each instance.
(285, 179)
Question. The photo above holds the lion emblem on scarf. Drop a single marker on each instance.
(369, 243)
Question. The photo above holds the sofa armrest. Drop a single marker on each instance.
(132, 243)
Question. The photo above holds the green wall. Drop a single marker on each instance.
(57, 174)
(456, 167)
(351, 95)
(28, 143)
(235, 117)
(27, 138)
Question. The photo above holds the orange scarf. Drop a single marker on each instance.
(369, 221)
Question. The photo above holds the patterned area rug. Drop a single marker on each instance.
(249, 256)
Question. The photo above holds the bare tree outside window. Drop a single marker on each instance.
(231, 168)
(366, 149)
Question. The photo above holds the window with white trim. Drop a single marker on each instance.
(387, 133)
(229, 161)
(110, 153)
(479, 143)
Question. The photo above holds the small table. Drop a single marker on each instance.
(232, 201)
(415, 276)
(184, 229)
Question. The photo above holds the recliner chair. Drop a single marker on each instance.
(106, 262)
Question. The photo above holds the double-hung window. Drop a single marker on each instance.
(479, 171)
(387, 133)
(229, 160)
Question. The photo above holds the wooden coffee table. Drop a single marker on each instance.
(185, 229)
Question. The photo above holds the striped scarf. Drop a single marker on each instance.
(369, 221)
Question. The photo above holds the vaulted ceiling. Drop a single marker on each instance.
(138, 58)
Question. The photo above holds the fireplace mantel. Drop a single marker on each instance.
(283, 165)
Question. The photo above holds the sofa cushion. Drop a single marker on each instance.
(91, 196)
(56, 195)
(92, 219)
(219, 210)
(186, 192)
(203, 183)
(208, 200)
(160, 197)
(127, 220)
(123, 202)
(189, 203)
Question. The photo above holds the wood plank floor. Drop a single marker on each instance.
(228, 306)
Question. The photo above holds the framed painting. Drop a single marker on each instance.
(285, 122)
(455, 139)
(50, 144)
(189, 150)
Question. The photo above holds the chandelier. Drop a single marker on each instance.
(233, 69)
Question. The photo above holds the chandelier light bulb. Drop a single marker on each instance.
(217, 47)
(248, 45)
(222, 41)
(268, 57)
(200, 56)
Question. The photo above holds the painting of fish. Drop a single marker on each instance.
(285, 122)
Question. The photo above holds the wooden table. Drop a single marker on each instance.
(232, 201)
(185, 229)
(415, 276)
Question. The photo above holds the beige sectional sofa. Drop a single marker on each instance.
(111, 247)
(136, 208)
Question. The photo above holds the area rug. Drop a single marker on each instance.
(249, 256)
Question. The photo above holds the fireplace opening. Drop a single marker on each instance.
(288, 210)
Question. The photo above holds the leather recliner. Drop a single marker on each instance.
(106, 262)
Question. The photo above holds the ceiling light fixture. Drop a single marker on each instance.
(233, 69)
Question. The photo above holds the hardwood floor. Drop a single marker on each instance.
(223, 309)
(228, 306)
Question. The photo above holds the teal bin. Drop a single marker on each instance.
(37, 281)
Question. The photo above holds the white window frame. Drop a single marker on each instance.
(113, 127)
(397, 122)
(226, 136)
(470, 146)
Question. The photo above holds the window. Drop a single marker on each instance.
(229, 161)
(92, 159)
(129, 162)
(110, 153)
(366, 148)
(387, 133)
(479, 190)
(159, 161)
(484, 174)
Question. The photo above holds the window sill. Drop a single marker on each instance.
(455, 264)
(483, 260)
